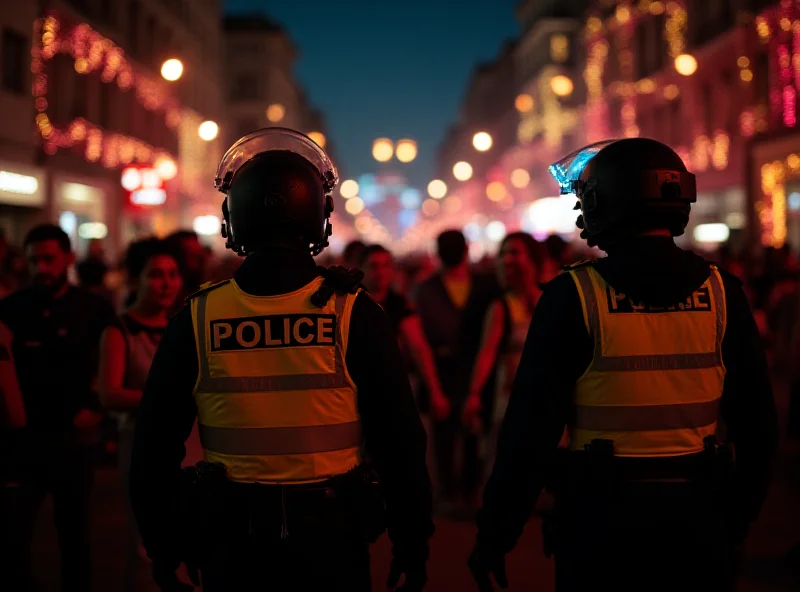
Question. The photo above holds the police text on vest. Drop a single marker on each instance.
(273, 331)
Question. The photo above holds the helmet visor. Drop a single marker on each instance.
(268, 140)
(569, 168)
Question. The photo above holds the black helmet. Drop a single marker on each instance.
(276, 181)
(625, 186)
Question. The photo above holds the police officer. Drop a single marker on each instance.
(296, 380)
(643, 355)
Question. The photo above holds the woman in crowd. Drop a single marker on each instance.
(505, 329)
(126, 351)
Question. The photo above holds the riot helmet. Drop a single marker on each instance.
(625, 187)
(277, 184)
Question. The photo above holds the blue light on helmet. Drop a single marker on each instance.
(569, 168)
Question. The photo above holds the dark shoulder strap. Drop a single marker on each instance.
(337, 279)
(207, 287)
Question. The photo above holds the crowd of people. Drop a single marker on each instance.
(79, 356)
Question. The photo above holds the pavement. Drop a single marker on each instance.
(766, 565)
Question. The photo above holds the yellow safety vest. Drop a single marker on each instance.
(655, 381)
(275, 402)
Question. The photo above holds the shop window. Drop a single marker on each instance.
(14, 61)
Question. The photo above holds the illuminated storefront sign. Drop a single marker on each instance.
(20, 188)
(143, 185)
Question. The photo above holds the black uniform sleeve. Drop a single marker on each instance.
(164, 422)
(394, 436)
(747, 409)
(557, 351)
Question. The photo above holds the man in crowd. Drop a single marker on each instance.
(56, 331)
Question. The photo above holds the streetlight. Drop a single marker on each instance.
(686, 64)
(406, 150)
(561, 85)
(382, 149)
(482, 141)
(462, 171)
(172, 70)
(437, 189)
(208, 130)
(348, 189)
(275, 112)
(318, 138)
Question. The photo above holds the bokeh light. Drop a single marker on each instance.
(406, 150)
(524, 103)
(318, 138)
(349, 188)
(495, 191)
(520, 178)
(437, 189)
(561, 85)
(276, 112)
(495, 231)
(172, 70)
(208, 130)
(462, 171)
(382, 149)
(166, 168)
(430, 207)
(482, 141)
(354, 205)
(685, 64)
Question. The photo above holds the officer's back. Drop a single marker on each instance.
(296, 380)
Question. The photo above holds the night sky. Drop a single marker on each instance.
(384, 68)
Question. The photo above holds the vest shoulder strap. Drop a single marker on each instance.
(579, 265)
(207, 287)
(337, 279)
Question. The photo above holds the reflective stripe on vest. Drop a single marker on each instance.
(656, 376)
(275, 401)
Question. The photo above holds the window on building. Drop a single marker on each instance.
(245, 87)
(106, 98)
(14, 61)
(80, 97)
(134, 11)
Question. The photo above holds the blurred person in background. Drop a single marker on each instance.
(127, 350)
(12, 267)
(12, 408)
(451, 305)
(56, 332)
(192, 258)
(504, 332)
(556, 256)
(351, 255)
(92, 271)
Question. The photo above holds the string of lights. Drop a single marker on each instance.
(93, 53)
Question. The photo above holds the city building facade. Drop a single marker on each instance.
(93, 104)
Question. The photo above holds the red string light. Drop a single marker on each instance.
(94, 53)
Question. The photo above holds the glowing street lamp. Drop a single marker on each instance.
(276, 112)
(482, 141)
(208, 130)
(523, 103)
(382, 149)
(685, 64)
(172, 70)
(354, 206)
(520, 178)
(462, 171)
(406, 150)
